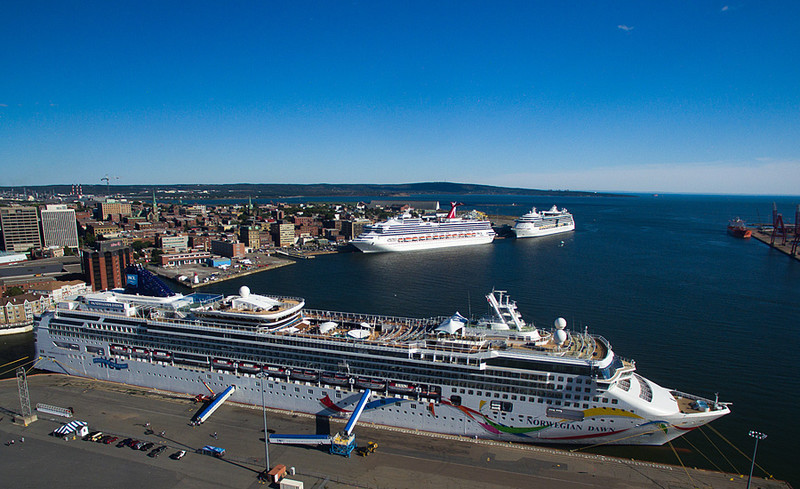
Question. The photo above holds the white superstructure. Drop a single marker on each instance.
(441, 375)
(406, 233)
(544, 223)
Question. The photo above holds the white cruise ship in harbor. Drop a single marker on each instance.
(406, 233)
(501, 379)
(543, 223)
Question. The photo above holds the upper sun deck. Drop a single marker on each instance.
(252, 306)
(414, 335)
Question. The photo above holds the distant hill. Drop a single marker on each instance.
(271, 190)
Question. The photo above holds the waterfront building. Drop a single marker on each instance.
(21, 308)
(20, 228)
(184, 258)
(282, 233)
(227, 248)
(59, 226)
(351, 229)
(103, 266)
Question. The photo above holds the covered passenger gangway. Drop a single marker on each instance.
(342, 443)
(216, 403)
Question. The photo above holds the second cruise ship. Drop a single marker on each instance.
(407, 233)
(544, 223)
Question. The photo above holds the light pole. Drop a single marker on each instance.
(758, 436)
(266, 433)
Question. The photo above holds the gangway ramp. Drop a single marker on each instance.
(357, 412)
(300, 439)
(216, 403)
(342, 443)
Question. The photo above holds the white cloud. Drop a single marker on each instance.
(625, 27)
(724, 8)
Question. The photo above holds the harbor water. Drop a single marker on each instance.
(698, 310)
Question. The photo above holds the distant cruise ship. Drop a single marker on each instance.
(501, 378)
(406, 233)
(544, 223)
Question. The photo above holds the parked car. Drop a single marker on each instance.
(178, 455)
(110, 440)
(147, 446)
(156, 451)
(94, 436)
(136, 444)
(124, 443)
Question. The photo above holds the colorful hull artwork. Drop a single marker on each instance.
(497, 428)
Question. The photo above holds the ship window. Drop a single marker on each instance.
(283, 387)
(613, 401)
(514, 398)
(456, 400)
(479, 393)
(505, 396)
(470, 391)
(297, 389)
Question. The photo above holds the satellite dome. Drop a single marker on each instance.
(244, 291)
(561, 337)
(560, 323)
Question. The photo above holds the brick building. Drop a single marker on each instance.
(104, 267)
(227, 248)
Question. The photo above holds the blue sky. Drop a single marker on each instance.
(685, 96)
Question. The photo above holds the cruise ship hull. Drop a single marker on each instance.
(420, 243)
(531, 231)
(456, 411)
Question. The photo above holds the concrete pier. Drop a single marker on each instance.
(404, 459)
(766, 237)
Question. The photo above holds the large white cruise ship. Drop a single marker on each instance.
(501, 379)
(544, 223)
(406, 233)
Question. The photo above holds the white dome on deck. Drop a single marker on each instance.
(244, 291)
(560, 323)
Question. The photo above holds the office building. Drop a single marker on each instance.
(59, 226)
(20, 228)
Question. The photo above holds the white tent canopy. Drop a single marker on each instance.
(327, 326)
(359, 334)
(452, 324)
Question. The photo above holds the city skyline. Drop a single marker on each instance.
(675, 98)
